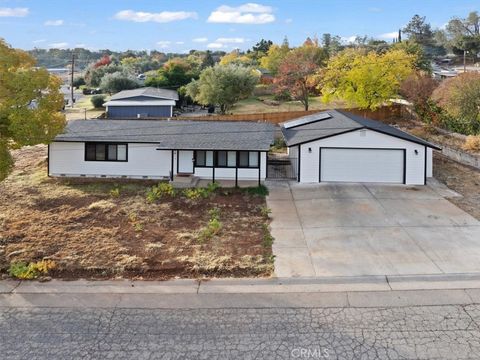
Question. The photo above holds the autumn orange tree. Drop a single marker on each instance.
(30, 104)
(297, 72)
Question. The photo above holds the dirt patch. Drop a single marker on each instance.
(461, 178)
(92, 232)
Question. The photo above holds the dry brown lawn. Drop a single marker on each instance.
(91, 232)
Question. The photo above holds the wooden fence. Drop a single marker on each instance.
(382, 114)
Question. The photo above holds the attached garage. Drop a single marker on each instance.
(337, 146)
(362, 165)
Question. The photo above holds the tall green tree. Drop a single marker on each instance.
(30, 104)
(419, 30)
(223, 85)
(464, 34)
(365, 80)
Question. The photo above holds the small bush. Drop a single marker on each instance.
(261, 190)
(78, 81)
(472, 143)
(282, 96)
(213, 227)
(115, 192)
(21, 270)
(158, 191)
(97, 101)
(268, 239)
(197, 193)
(265, 211)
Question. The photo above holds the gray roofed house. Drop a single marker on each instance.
(175, 134)
(147, 102)
(150, 92)
(163, 149)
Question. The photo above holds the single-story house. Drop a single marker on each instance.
(141, 103)
(339, 146)
(162, 149)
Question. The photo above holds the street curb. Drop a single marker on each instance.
(247, 285)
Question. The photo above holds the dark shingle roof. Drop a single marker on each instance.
(146, 91)
(175, 134)
(316, 127)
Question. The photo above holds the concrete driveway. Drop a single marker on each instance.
(354, 230)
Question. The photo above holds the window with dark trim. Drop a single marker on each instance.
(106, 152)
(227, 159)
(203, 158)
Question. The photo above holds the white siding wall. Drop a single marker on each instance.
(68, 158)
(309, 162)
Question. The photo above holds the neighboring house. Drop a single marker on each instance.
(145, 102)
(161, 149)
(340, 146)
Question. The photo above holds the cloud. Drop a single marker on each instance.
(249, 13)
(200, 39)
(215, 45)
(59, 45)
(375, 9)
(80, 45)
(53, 23)
(288, 21)
(348, 39)
(39, 41)
(164, 44)
(180, 42)
(236, 40)
(389, 35)
(13, 12)
(161, 17)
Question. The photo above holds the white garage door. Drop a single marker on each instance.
(361, 165)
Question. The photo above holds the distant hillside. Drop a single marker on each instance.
(59, 58)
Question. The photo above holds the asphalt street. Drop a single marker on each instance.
(411, 332)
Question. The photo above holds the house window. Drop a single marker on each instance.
(221, 159)
(203, 158)
(226, 158)
(248, 159)
(105, 152)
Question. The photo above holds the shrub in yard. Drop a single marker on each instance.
(158, 191)
(115, 192)
(24, 271)
(261, 190)
(213, 227)
(268, 239)
(97, 101)
(196, 193)
(472, 143)
(265, 211)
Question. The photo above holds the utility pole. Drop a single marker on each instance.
(71, 80)
(464, 61)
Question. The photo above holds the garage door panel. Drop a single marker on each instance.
(362, 165)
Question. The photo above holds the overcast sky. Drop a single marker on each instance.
(181, 25)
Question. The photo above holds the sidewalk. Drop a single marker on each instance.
(368, 291)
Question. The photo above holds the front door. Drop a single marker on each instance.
(185, 162)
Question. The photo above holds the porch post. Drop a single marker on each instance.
(213, 174)
(259, 167)
(236, 176)
(171, 168)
